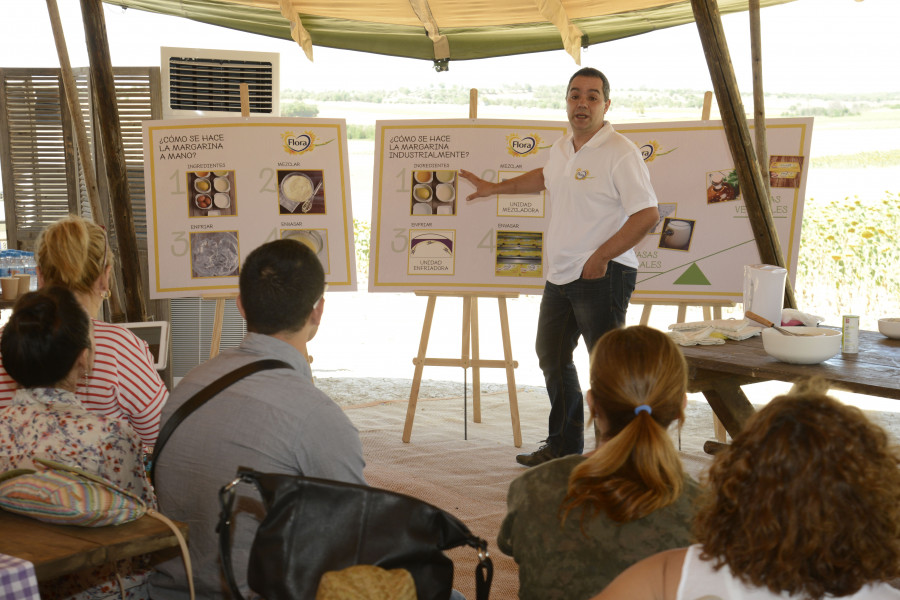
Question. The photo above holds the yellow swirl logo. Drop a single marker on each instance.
(650, 150)
(519, 146)
(298, 144)
(582, 174)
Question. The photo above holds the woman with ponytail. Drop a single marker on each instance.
(74, 253)
(575, 523)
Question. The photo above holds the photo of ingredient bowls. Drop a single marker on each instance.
(809, 345)
(211, 193)
(434, 189)
(890, 327)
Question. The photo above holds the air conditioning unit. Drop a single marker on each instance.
(200, 82)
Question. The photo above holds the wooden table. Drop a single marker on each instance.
(56, 550)
(720, 371)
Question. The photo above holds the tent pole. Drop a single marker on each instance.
(734, 120)
(104, 94)
(81, 141)
(71, 92)
(759, 103)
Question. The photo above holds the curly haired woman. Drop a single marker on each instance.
(576, 522)
(804, 504)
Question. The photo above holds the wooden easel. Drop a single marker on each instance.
(219, 316)
(218, 320)
(469, 342)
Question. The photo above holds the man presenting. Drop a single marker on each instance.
(602, 206)
(274, 421)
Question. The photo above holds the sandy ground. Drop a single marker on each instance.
(377, 367)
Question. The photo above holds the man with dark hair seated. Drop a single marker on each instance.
(274, 421)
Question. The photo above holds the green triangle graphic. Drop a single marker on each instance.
(693, 276)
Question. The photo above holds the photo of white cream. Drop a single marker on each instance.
(444, 192)
(297, 188)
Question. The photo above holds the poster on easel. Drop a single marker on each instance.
(427, 237)
(218, 188)
(697, 250)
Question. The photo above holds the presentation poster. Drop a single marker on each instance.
(217, 189)
(698, 248)
(425, 236)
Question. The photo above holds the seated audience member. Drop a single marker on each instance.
(47, 349)
(803, 504)
(274, 421)
(576, 522)
(74, 253)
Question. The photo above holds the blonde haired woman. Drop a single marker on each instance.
(575, 523)
(74, 253)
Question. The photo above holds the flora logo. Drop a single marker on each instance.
(527, 145)
(581, 174)
(650, 150)
(298, 144)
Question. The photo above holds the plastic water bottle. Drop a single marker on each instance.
(4, 263)
(30, 266)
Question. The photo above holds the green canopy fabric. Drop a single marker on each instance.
(440, 30)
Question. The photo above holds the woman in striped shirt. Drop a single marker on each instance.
(74, 253)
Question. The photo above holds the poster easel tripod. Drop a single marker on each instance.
(469, 344)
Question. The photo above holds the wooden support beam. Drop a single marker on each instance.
(734, 121)
(71, 91)
(759, 103)
(110, 138)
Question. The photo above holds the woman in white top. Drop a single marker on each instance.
(805, 504)
(74, 253)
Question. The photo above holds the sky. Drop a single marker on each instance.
(809, 46)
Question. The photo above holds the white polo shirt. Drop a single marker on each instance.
(592, 193)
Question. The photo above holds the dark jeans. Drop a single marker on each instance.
(587, 308)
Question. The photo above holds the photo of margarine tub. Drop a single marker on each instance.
(297, 188)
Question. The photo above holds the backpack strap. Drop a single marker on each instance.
(200, 398)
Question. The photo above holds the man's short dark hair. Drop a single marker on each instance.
(590, 72)
(280, 283)
(46, 333)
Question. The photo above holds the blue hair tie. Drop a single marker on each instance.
(643, 408)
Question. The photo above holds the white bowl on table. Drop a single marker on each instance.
(810, 346)
(890, 327)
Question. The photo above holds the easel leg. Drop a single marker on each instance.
(419, 361)
(645, 314)
(510, 373)
(476, 373)
(218, 321)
